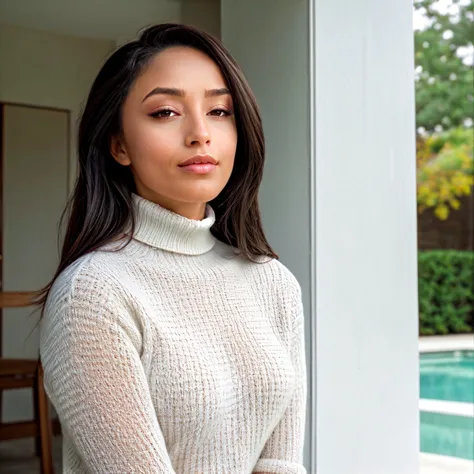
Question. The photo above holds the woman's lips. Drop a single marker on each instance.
(199, 164)
(199, 168)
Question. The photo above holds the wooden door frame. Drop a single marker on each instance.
(2, 111)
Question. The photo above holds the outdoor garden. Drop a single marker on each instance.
(445, 166)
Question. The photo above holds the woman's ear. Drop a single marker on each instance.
(118, 151)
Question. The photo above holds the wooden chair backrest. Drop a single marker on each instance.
(16, 299)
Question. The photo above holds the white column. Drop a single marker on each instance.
(339, 205)
(364, 237)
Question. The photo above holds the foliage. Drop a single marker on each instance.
(444, 80)
(445, 170)
(446, 291)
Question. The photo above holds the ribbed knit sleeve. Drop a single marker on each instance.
(283, 452)
(90, 350)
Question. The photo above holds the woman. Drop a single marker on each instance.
(171, 337)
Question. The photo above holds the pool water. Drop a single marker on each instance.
(447, 435)
(447, 376)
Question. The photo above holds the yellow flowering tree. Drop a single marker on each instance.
(445, 170)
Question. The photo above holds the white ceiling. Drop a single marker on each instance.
(105, 19)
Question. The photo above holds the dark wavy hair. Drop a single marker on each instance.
(100, 208)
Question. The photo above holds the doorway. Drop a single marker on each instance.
(34, 159)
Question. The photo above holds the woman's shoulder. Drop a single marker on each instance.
(277, 272)
(270, 275)
(88, 279)
(276, 285)
(266, 268)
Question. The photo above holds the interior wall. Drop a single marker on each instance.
(35, 188)
(102, 19)
(204, 14)
(269, 39)
(50, 70)
(339, 206)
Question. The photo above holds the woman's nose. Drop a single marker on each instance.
(198, 134)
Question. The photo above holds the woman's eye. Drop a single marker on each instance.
(220, 112)
(168, 113)
(164, 113)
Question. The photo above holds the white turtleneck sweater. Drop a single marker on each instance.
(174, 355)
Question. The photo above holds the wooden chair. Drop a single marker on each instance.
(23, 373)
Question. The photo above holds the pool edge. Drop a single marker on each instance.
(452, 342)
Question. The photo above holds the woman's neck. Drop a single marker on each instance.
(191, 210)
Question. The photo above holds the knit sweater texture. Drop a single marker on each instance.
(173, 354)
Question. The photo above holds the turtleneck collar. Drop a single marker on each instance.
(166, 230)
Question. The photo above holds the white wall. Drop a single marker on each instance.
(269, 39)
(335, 85)
(51, 70)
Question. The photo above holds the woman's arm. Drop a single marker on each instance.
(283, 452)
(95, 380)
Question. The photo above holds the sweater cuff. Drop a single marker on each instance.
(275, 466)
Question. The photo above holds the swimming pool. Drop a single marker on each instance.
(447, 376)
(447, 403)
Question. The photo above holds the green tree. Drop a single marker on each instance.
(444, 80)
(445, 170)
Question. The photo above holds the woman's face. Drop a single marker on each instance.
(178, 132)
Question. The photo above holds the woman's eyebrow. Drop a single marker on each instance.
(181, 92)
(217, 92)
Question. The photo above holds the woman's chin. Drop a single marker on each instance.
(201, 192)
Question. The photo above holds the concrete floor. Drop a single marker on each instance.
(452, 342)
(434, 464)
(18, 457)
